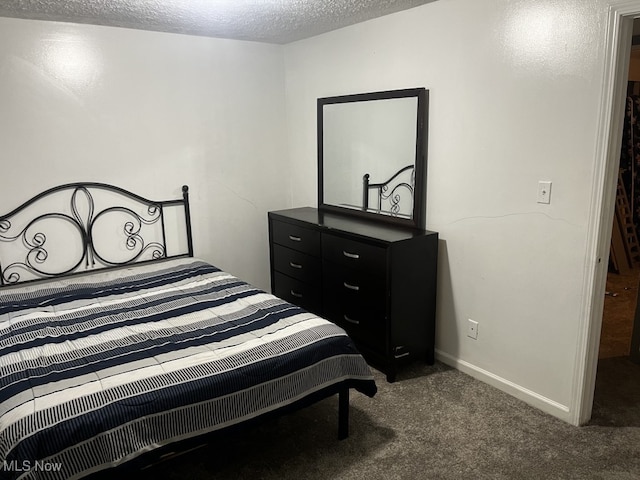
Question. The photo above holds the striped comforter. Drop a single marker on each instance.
(96, 371)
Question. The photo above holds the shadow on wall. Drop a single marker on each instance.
(445, 305)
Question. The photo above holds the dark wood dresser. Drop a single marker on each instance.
(377, 281)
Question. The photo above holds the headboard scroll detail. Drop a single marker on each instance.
(81, 227)
(394, 196)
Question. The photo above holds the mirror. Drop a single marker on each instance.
(372, 155)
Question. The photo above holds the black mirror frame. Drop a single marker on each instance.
(418, 219)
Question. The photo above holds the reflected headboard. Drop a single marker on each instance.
(393, 197)
(81, 227)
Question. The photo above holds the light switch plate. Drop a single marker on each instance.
(544, 191)
(472, 329)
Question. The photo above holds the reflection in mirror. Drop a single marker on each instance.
(371, 154)
(393, 197)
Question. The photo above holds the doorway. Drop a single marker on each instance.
(619, 32)
(621, 296)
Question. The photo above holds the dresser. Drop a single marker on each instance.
(377, 281)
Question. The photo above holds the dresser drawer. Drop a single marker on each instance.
(297, 264)
(364, 323)
(353, 253)
(299, 293)
(298, 238)
(351, 285)
(356, 300)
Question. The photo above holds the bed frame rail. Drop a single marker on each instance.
(81, 227)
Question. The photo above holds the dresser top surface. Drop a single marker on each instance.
(342, 223)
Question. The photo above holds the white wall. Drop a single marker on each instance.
(149, 112)
(514, 96)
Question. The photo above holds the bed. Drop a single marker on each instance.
(150, 348)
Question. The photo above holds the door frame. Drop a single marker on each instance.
(619, 30)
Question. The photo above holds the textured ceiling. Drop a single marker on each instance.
(271, 21)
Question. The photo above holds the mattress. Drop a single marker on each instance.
(98, 369)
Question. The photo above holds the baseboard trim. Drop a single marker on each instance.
(528, 396)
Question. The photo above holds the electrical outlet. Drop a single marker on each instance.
(472, 329)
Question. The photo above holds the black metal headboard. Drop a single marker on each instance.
(81, 227)
(388, 195)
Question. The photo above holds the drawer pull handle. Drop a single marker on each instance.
(296, 294)
(293, 238)
(351, 255)
(351, 320)
(295, 265)
(398, 353)
(355, 288)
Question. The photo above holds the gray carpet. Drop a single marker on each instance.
(433, 423)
